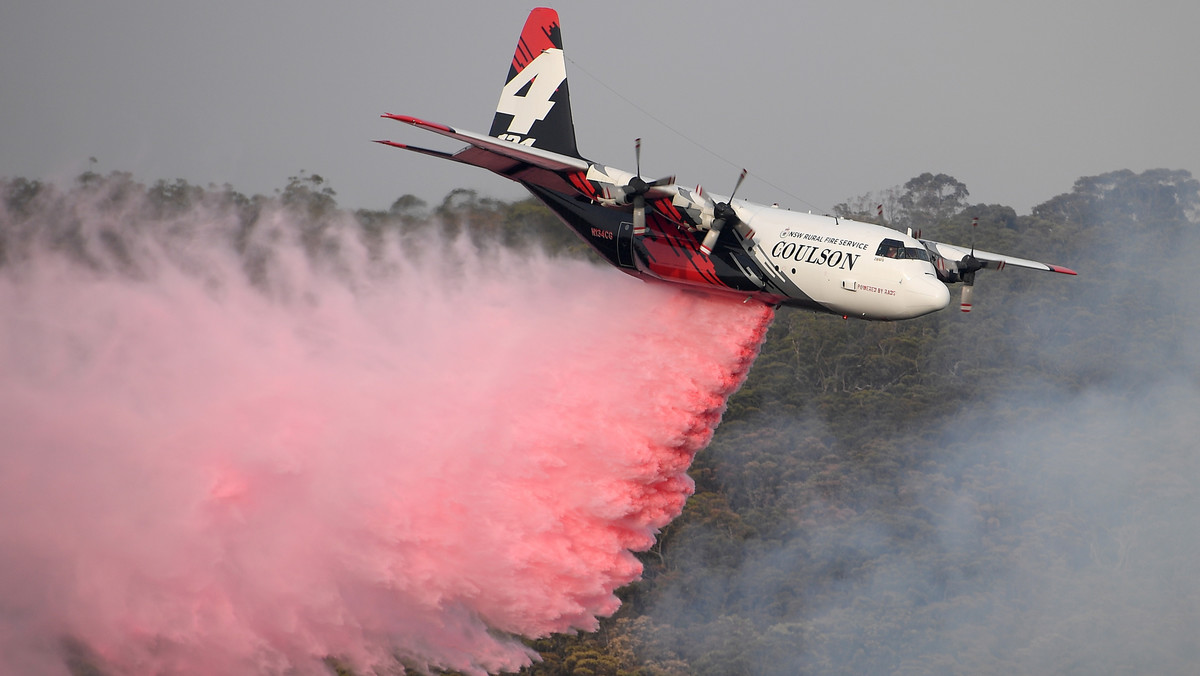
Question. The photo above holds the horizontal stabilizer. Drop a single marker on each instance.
(417, 149)
(542, 159)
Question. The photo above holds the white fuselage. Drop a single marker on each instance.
(838, 263)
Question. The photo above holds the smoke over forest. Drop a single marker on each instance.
(267, 434)
(1011, 491)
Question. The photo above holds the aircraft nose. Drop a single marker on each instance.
(927, 294)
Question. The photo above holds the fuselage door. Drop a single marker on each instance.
(625, 245)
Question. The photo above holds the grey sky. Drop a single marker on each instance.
(826, 100)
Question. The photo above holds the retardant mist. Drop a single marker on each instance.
(237, 445)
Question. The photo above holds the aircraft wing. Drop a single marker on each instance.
(991, 261)
(526, 155)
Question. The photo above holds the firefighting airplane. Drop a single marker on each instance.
(661, 230)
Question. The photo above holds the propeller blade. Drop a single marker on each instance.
(739, 184)
(710, 240)
(723, 211)
(967, 268)
(968, 294)
(638, 187)
(721, 215)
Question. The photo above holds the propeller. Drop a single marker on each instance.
(638, 187)
(723, 214)
(967, 268)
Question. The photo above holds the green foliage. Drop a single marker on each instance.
(933, 198)
(308, 194)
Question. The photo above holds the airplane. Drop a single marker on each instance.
(660, 230)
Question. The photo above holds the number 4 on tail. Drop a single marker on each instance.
(538, 80)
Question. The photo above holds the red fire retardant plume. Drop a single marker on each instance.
(424, 457)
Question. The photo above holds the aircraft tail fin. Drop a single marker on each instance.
(535, 107)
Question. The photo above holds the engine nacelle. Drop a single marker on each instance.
(606, 185)
(690, 208)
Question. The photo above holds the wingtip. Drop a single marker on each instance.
(418, 122)
(1065, 271)
(401, 118)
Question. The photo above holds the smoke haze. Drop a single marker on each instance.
(223, 454)
(1041, 516)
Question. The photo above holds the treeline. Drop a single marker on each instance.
(125, 205)
(1009, 491)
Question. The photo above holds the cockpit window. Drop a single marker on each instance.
(891, 248)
